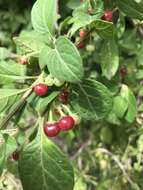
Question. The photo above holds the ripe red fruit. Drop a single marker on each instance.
(23, 61)
(64, 96)
(82, 33)
(66, 123)
(52, 129)
(80, 45)
(15, 156)
(41, 89)
(108, 16)
(123, 71)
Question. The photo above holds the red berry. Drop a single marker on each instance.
(80, 45)
(52, 129)
(123, 71)
(82, 33)
(66, 123)
(23, 61)
(41, 89)
(108, 16)
(64, 96)
(15, 156)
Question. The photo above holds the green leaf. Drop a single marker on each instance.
(120, 26)
(109, 58)
(43, 56)
(44, 102)
(11, 68)
(80, 184)
(106, 135)
(44, 16)
(72, 4)
(4, 53)
(7, 146)
(131, 8)
(5, 93)
(2, 157)
(140, 56)
(11, 145)
(81, 18)
(64, 62)
(94, 100)
(120, 106)
(43, 166)
(103, 28)
(128, 95)
(31, 41)
(129, 42)
(8, 97)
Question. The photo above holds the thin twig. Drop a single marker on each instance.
(82, 147)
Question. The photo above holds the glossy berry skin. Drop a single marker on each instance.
(15, 156)
(108, 16)
(52, 129)
(66, 123)
(82, 33)
(123, 71)
(80, 45)
(41, 89)
(64, 96)
(23, 61)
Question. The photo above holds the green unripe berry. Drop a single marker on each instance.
(90, 48)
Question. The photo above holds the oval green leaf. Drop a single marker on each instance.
(64, 62)
(94, 100)
(43, 166)
(109, 58)
(44, 15)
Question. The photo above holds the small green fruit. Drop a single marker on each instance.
(106, 135)
(90, 48)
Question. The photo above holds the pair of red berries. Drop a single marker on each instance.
(42, 89)
(65, 123)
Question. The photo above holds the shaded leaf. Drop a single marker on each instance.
(94, 100)
(109, 58)
(131, 8)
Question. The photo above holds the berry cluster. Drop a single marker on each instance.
(64, 124)
(108, 16)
